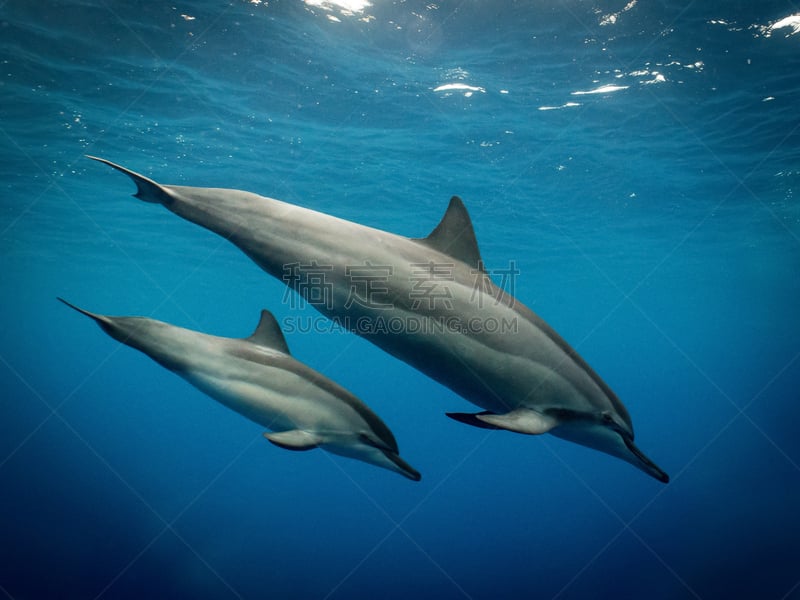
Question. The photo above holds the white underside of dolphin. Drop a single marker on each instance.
(258, 378)
(522, 373)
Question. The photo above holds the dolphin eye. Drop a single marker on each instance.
(607, 418)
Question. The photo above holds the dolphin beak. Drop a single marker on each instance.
(644, 463)
(402, 466)
(396, 463)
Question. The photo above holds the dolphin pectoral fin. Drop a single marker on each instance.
(146, 189)
(294, 439)
(473, 419)
(521, 420)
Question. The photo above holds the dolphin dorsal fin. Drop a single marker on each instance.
(455, 236)
(269, 334)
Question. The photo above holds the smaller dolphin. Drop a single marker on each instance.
(258, 378)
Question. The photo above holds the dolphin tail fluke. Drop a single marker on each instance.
(101, 320)
(146, 189)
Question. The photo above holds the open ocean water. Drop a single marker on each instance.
(638, 162)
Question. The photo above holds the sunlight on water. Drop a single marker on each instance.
(611, 18)
(603, 89)
(347, 8)
(565, 105)
(791, 22)
(467, 89)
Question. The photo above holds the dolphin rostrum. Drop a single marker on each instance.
(258, 378)
(429, 302)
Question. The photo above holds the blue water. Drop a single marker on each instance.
(655, 224)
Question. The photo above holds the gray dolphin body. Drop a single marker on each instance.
(433, 306)
(258, 378)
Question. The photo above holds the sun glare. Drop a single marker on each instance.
(347, 7)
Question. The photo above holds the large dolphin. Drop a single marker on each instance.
(258, 378)
(428, 302)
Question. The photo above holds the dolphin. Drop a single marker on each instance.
(258, 378)
(429, 302)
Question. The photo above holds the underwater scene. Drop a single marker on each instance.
(371, 298)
